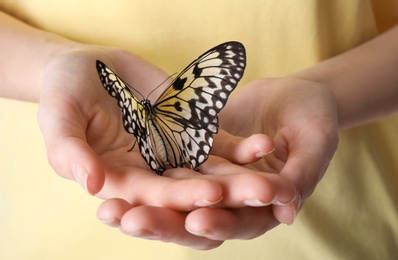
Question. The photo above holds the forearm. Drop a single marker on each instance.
(24, 54)
(364, 80)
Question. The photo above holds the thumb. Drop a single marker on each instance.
(240, 150)
(68, 152)
(73, 159)
(305, 166)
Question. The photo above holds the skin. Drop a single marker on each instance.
(257, 176)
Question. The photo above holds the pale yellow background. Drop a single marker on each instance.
(352, 214)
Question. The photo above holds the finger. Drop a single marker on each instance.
(242, 150)
(223, 224)
(285, 189)
(152, 223)
(111, 211)
(67, 151)
(287, 213)
(305, 172)
(74, 159)
(309, 157)
(307, 162)
(139, 186)
(245, 187)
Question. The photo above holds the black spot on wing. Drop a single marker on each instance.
(177, 106)
(179, 83)
(197, 71)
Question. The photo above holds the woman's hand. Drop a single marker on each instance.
(86, 142)
(300, 116)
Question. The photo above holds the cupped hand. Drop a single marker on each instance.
(86, 142)
(80, 123)
(300, 116)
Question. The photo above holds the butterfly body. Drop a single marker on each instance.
(177, 130)
(158, 144)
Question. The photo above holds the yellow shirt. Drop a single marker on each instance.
(353, 214)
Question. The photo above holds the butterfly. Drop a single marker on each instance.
(177, 130)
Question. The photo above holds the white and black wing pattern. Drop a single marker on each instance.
(196, 96)
(134, 114)
(133, 111)
(178, 129)
(201, 90)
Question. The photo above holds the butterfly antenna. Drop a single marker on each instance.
(130, 87)
(161, 84)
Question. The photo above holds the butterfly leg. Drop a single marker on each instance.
(132, 147)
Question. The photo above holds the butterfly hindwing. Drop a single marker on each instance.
(147, 151)
(185, 145)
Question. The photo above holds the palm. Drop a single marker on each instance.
(78, 112)
(300, 117)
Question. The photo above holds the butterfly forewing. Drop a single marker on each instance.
(200, 91)
(133, 111)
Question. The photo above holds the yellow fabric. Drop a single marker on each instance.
(353, 214)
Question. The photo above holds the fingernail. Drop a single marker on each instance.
(294, 207)
(145, 234)
(110, 222)
(80, 174)
(277, 202)
(294, 211)
(255, 203)
(200, 233)
(262, 154)
(149, 235)
(206, 203)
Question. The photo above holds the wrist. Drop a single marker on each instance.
(363, 80)
(25, 53)
(52, 50)
(316, 76)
